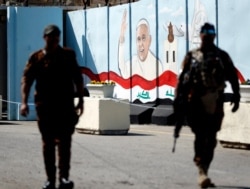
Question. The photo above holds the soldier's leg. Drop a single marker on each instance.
(205, 143)
(49, 159)
(210, 147)
(64, 152)
(211, 138)
(48, 142)
(200, 152)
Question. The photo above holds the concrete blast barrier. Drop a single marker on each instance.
(104, 116)
(235, 129)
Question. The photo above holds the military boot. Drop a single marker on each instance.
(49, 185)
(66, 184)
(203, 180)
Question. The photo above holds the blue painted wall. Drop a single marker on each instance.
(25, 35)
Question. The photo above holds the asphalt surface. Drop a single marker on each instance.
(143, 159)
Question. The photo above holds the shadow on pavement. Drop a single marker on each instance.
(8, 123)
(138, 134)
(232, 187)
(128, 134)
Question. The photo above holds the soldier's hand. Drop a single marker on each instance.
(80, 107)
(24, 110)
(235, 101)
(235, 106)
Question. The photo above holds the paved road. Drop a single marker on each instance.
(140, 160)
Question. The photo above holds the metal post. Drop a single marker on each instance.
(0, 107)
(187, 33)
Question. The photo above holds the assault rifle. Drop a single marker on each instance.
(180, 109)
(177, 129)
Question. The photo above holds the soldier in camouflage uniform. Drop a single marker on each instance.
(204, 105)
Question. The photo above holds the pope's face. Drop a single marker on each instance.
(143, 41)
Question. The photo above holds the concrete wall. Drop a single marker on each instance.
(94, 35)
(25, 35)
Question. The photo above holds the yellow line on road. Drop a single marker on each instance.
(160, 132)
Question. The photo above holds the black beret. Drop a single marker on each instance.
(208, 29)
(51, 29)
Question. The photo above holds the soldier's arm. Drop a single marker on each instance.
(231, 74)
(26, 83)
(78, 81)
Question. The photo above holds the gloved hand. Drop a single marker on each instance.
(235, 101)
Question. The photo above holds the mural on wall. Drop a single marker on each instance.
(153, 63)
(160, 73)
(170, 49)
(139, 46)
(199, 18)
(143, 67)
(144, 63)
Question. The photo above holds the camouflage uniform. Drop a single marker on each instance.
(204, 125)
